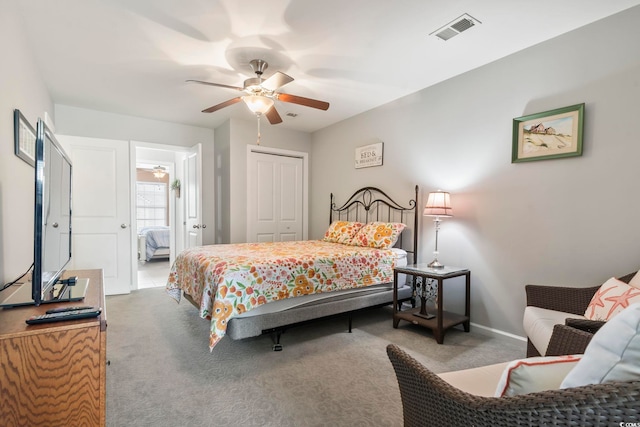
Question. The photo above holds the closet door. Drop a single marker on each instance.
(274, 197)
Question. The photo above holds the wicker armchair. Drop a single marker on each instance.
(568, 300)
(427, 400)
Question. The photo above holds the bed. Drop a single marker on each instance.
(153, 243)
(249, 289)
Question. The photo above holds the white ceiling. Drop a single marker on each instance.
(133, 56)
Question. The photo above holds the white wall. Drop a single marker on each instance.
(98, 124)
(222, 182)
(563, 222)
(21, 87)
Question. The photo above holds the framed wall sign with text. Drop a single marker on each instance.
(369, 155)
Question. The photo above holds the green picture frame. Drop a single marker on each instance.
(551, 134)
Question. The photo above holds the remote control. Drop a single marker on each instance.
(64, 315)
(63, 309)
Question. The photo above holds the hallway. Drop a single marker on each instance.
(153, 274)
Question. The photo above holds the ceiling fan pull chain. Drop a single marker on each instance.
(258, 129)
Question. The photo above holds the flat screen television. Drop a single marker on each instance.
(52, 216)
(52, 228)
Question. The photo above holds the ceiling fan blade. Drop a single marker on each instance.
(222, 105)
(276, 81)
(215, 84)
(273, 116)
(307, 102)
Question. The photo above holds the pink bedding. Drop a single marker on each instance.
(227, 280)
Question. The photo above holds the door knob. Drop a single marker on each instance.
(196, 226)
(123, 225)
(204, 225)
(55, 225)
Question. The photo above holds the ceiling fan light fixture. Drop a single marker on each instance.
(159, 172)
(259, 94)
(258, 104)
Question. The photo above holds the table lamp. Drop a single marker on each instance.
(438, 205)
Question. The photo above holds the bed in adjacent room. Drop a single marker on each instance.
(153, 243)
(252, 288)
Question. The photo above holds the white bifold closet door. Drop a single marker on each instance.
(274, 198)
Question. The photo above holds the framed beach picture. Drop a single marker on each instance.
(24, 138)
(548, 135)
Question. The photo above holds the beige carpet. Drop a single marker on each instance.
(161, 372)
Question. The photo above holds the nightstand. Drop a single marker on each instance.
(441, 320)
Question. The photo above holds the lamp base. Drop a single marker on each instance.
(435, 264)
(425, 316)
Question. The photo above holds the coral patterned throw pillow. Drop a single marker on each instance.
(612, 297)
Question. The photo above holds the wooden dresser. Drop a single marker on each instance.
(53, 374)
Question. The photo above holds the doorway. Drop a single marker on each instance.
(158, 210)
(153, 222)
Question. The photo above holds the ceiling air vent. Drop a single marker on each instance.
(455, 27)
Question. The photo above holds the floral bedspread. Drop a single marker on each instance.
(228, 280)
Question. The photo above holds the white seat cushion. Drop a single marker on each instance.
(480, 381)
(538, 324)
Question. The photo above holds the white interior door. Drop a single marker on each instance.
(192, 169)
(101, 220)
(274, 198)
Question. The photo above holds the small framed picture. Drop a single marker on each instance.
(548, 135)
(24, 138)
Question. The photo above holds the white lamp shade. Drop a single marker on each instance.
(258, 104)
(438, 204)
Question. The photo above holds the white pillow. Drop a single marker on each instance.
(635, 281)
(613, 353)
(612, 297)
(535, 374)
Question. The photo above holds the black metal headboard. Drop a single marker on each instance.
(370, 204)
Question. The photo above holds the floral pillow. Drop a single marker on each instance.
(382, 235)
(342, 231)
(612, 297)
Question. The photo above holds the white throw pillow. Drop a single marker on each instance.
(635, 281)
(612, 297)
(613, 353)
(535, 374)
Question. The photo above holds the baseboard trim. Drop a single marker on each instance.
(498, 332)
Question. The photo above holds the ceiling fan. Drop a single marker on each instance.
(260, 94)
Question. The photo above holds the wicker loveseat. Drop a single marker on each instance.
(572, 335)
(428, 400)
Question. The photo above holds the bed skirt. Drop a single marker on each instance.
(251, 326)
